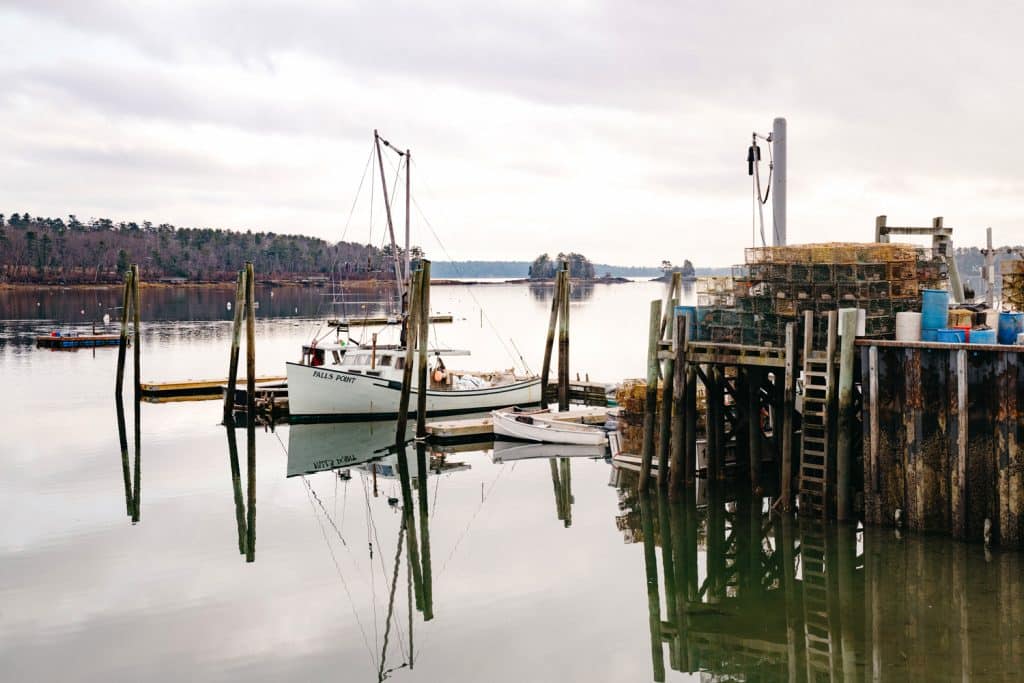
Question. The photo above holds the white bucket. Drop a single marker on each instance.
(1020, 339)
(862, 321)
(908, 326)
(992, 319)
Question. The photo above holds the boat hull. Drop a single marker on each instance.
(547, 431)
(324, 394)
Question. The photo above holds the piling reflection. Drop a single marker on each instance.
(245, 509)
(578, 291)
(741, 593)
(132, 481)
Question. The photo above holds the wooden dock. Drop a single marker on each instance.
(48, 341)
(580, 393)
(196, 389)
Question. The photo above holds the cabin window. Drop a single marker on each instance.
(337, 357)
(364, 360)
(385, 361)
(399, 363)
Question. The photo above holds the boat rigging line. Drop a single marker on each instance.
(455, 265)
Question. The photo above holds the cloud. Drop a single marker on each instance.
(586, 120)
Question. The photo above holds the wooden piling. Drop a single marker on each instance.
(122, 350)
(412, 331)
(137, 346)
(678, 403)
(959, 488)
(667, 392)
(650, 405)
(753, 395)
(715, 426)
(236, 340)
(250, 432)
(545, 371)
(690, 441)
(422, 338)
(788, 408)
(844, 436)
(563, 344)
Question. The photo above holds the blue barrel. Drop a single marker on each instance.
(983, 336)
(1008, 326)
(934, 309)
(929, 335)
(692, 310)
(950, 335)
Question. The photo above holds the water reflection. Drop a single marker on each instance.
(245, 508)
(81, 305)
(545, 291)
(132, 483)
(739, 593)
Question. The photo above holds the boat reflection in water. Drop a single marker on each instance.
(739, 593)
(369, 449)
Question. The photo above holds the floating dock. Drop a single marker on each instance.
(197, 389)
(80, 341)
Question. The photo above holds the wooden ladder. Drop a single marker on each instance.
(814, 440)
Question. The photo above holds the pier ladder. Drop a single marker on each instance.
(815, 449)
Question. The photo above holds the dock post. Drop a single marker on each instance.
(714, 420)
(250, 409)
(122, 350)
(788, 399)
(844, 437)
(753, 377)
(236, 340)
(545, 371)
(421, 341)
(563, 344)
(651, 403)
(412, 329)
(137, 346)
(667, 394)
(679, 407)
(690, 443)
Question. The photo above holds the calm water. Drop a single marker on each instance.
(486, 564)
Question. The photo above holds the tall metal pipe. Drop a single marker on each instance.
(779, 181)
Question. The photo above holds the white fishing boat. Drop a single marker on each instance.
(348, 379)
(542, 426)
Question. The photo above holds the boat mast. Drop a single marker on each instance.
(408, 164)
(399, 281)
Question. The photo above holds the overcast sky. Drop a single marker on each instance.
(614, 129)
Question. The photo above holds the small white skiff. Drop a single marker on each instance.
(542, 426)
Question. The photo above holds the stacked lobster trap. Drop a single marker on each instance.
(1012, 272)
(776, 285)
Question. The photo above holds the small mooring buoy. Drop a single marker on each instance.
(987, 532)
(898, 518)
